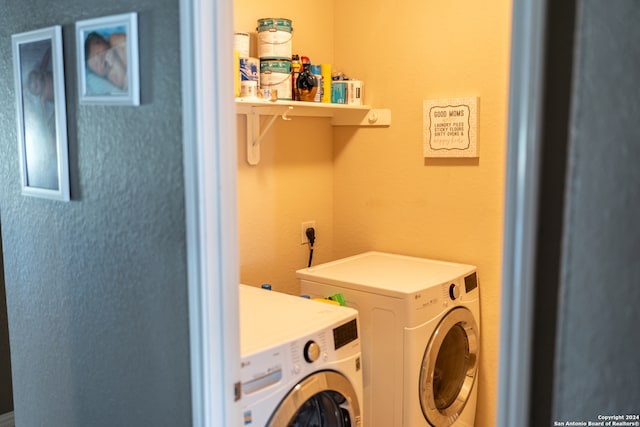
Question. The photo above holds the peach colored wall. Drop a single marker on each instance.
(387, 196)
(293, 182)
(372, 188)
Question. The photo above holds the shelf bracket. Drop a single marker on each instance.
(255, 134)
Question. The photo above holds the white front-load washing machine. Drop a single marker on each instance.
(300, 361)
(420, 324)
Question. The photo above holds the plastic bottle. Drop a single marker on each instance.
(326, 82)
(306, 84)
(317, 71)
(295, 70)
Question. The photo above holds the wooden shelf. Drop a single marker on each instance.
(340, 114)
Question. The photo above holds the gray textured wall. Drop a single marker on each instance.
(97, 287)
(6, 393)
(598, 343)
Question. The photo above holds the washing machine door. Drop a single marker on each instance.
(323, 399)
(449, 368)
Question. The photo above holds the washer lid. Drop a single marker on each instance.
(270, 318)
(384, 273)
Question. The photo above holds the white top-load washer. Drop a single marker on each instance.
(420, 327)
(300, 361)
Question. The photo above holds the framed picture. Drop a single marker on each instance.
(42, 116)
(108, 60)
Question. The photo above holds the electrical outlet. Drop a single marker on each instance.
(303, 231)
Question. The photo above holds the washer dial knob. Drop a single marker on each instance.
(454, 291)
(311, 351)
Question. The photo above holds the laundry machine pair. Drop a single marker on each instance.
(420, 329)
(300, 361)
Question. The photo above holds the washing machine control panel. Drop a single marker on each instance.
(471, 282)
(462, 289)
(278, 364)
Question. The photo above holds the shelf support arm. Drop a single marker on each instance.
(255, 135)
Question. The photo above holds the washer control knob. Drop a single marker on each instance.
(311, 351)
(454, 291)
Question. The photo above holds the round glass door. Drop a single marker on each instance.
(328, 400)
(449, 368)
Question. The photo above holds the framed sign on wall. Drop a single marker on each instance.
(450, 127)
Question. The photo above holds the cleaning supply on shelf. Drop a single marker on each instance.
(325, 70)
(355, 92)
(316, 70)
(249, 68)
(306, 83)
(296, 65)
(249, 77)
(338, 92)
